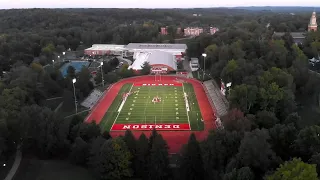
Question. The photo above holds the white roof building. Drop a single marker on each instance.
(154, 58)
(106, 47)
(174, 49)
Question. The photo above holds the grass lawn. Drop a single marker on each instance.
(35, 169)
(139, 108)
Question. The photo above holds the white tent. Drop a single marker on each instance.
(153, 57)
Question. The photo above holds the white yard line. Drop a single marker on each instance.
(145, 106)
(186, 108)
(121, 108)
(162, 101)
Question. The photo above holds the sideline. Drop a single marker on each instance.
(15, 165)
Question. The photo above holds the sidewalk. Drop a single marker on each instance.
(15, 165)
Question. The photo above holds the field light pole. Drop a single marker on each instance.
(102, 73)
(63, 53)
(53, 63)
(204, 64)
(74, 80)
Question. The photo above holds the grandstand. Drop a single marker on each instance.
(92, 99)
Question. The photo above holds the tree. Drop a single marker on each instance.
(125, 72)
(111, 77)
(243, 173)
(315, 159)
(130, 141)
(113, 160)
(266, 119)
(236, 121)
(158, 160)
(191, 166)
(42, 133)
(87, 131)
(217, 150)
(84, 83)
(244, 97)
(308, 142)
(281, 139)
(255, 152)
(140, 161)
(295, 169)
(71, 72)
(294, 119)
(145, 68)
(79, 152)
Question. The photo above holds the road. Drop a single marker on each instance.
(15, 165)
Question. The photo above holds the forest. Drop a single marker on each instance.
(266, 133)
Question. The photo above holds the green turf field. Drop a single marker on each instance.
(138, 108)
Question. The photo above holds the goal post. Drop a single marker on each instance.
(157, 76)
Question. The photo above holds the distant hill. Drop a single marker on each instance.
(279, 8)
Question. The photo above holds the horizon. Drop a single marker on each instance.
(226, 7)
(146, 4)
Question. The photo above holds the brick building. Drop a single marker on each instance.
(193, 31)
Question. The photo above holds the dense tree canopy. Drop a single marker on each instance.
(264, 126)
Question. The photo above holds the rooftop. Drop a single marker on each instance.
(295, 35)
(106, 47)
(156, 46)
(154, 57)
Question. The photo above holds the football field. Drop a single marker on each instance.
(138, 106)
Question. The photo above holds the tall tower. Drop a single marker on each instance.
(313, 23)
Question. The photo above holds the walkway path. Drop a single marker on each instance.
(15, 165)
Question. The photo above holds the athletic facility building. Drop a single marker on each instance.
(177, 50)
(105, 49)
(160, 61)
(162, 57)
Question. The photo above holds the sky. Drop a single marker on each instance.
(8, 4)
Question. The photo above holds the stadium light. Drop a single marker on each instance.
(64, 53)
(204, 64)
(74, 80)
(101, 63)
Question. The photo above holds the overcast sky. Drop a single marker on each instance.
(7, 4)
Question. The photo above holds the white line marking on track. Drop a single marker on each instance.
(186, 108)
(119, 112)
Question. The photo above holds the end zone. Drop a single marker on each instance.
(148, 127)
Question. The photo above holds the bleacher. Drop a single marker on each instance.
(92, 99)
(217, 99)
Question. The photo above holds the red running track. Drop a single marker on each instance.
(175, 139)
